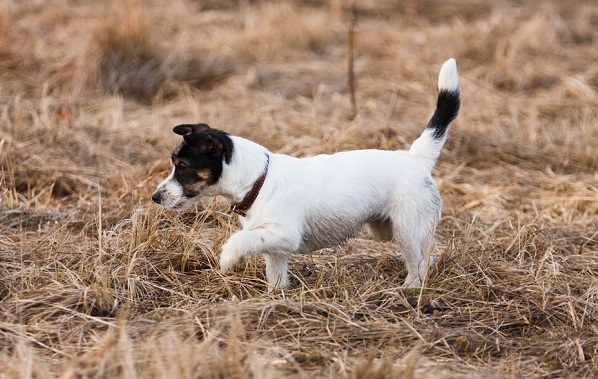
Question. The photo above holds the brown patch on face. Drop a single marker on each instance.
(204, 175)
(194, 189)
(195, 186)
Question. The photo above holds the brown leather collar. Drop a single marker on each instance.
(242, 207)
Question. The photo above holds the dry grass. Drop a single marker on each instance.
(97, 282)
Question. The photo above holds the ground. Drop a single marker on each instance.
(98, 282)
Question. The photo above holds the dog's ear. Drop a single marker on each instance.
(207, 140)
(193, 139)
(222, 146)
(205, 143)
(185, 129)
(212, 146)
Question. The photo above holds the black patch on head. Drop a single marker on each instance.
(198, 160)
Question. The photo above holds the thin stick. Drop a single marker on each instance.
(352, 85)
(100, 232)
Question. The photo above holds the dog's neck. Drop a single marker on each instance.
(247, 165)
(242, 207)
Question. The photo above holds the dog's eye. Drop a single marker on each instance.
(183, 164)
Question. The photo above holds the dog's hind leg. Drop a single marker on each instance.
(276, 270)
(417, 260)
(414, 234)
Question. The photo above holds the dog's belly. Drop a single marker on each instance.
(324, 232)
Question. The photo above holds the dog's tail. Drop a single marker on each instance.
(427, 147)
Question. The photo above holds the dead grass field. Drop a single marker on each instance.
(96, 282)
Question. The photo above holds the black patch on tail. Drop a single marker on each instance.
(447, 109)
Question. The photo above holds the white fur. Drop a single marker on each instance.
(448, 78)
(310, 203)
(173, 193)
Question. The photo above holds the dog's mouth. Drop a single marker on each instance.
(181, 195)
(171, 195)
(179, 204)
(173, 198)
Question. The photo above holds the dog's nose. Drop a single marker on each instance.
(156, 197)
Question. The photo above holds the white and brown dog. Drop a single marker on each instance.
(297, 205)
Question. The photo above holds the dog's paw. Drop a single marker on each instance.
(228, 262)
(413, 281)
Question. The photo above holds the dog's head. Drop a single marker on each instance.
(197, 165)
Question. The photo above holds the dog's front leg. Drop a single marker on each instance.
(275, 246)
(276, 270)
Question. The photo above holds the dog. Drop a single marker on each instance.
(294, 205)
